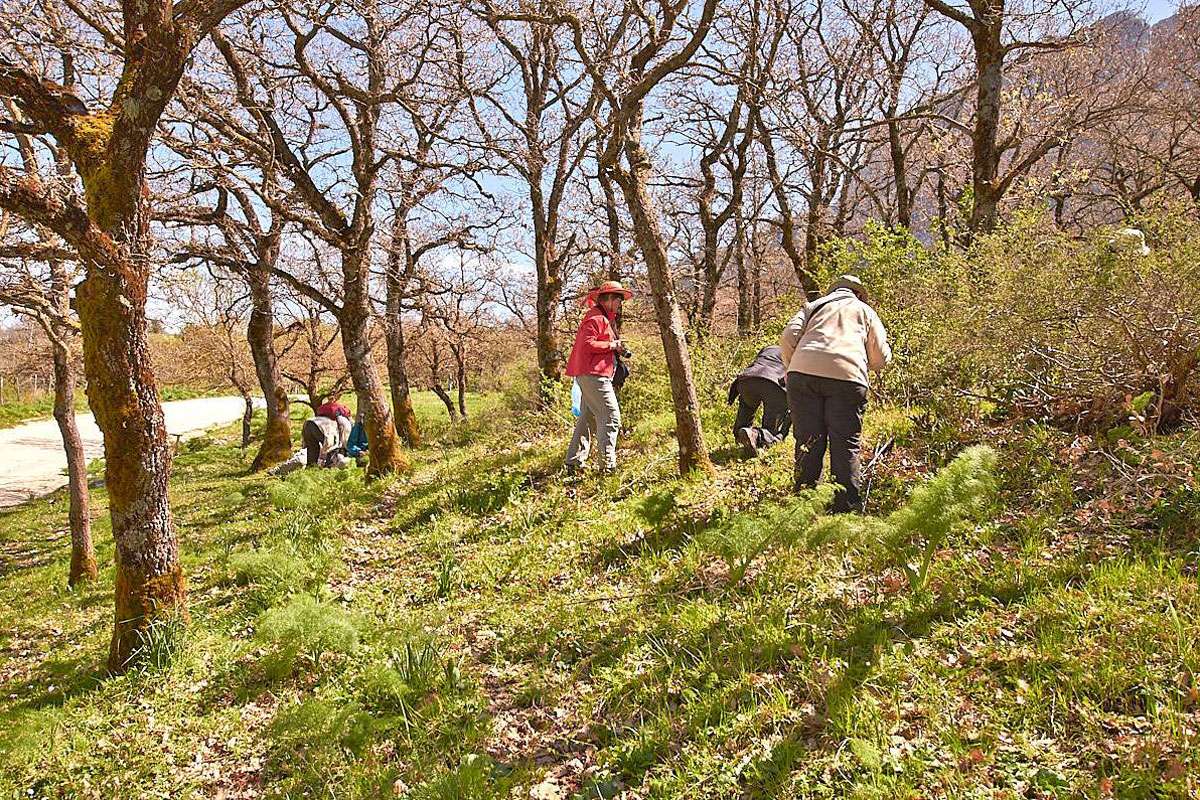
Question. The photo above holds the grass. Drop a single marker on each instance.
(483, 628)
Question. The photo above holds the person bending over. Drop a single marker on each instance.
(761, 384)
(333, 409)
(323, 438)
(828, 348)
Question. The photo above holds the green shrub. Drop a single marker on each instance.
(960, 491)
(269, 574)
(477, 778)
(304, 629)
(748, 535)
(909, 537)
(305, 530)
(198, 443)
(1179, 512)
(408, 676)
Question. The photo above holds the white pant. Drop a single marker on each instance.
(597, 407)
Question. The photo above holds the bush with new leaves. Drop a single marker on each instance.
(1084, 332)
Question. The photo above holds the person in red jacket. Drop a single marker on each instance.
(333, 409)
(592, 364)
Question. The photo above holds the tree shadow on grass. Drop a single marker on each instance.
(873, 631)
(55, 681)
(669, 528)
(728, 454)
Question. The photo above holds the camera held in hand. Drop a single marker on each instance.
(626, 352)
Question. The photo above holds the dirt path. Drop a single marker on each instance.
(34, 463)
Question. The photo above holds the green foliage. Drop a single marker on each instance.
(197, 443)
(160, 644)
(447, 576)
(476, 778)
(912, 535)
(1033, 320)
(313, 744)
(963, 490)
(303, 630)
(400, 683)
(749, 535)
(269, 575)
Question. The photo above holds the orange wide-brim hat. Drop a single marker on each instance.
(608, 287)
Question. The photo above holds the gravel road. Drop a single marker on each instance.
(33, 462)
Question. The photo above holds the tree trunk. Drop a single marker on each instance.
(247, 411)
(985, 185)
(435, 381)
(406, 417)
(260, 334)
(444, 396)
(648, 232)
(613, 225)
(83, 556)
(743, 279)
(814, 217)
(460, 378)
(123, 396)
(710, 269)
(393, 334)
(899, 170)
(787, 225)
(549, 290)
(384, 451)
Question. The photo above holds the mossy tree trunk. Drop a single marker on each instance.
(353, 320)
(109, 231)
(399, 269)
(635, 185)
(260, 334)
(83, 554)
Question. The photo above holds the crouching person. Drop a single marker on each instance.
(357, 445)
(324, 439)
(761, 385)
(828, 348)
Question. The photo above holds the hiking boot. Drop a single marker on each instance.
(746, 438)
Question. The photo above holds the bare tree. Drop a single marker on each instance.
(248, 247)
(211, 347)
(720, 101)
(650, 42)
(350, 71)
(308, 354)
(812, 133)
(998, 30)
(541, 134)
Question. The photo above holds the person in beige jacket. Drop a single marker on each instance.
(828, 348)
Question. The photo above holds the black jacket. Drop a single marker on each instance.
(767, 364)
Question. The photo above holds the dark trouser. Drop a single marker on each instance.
(755, 392)
(827, 411)
(312, 437)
